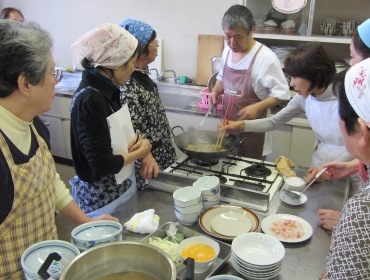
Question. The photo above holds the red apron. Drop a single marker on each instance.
(239, 83)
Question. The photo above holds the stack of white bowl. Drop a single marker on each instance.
(210, 188)
(188, 205)
(257, 255)
(94, 233)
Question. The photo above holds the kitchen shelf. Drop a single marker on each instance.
(316, 38)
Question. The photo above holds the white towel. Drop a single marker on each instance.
(143, 222)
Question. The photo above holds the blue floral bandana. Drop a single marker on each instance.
(141, 30)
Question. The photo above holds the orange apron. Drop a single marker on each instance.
(32, 217)
(239, 83)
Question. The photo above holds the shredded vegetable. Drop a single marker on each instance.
(171, 248)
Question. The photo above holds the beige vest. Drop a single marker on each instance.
(32, 217)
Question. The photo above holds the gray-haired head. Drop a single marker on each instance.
(24, 49)
(238, 16)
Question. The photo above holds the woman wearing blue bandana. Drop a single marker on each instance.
(141, 95)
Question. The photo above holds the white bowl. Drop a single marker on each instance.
(187, 196)
(211, 198)
(207, 205)
(35, 255)
(190, 209)
(258, 248)
(209, 185)
(91, 234)
(187, 219)
(200, 267)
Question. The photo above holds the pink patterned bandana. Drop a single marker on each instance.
(357, 84)
(107, 45)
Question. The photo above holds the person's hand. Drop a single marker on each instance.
(231, 125)
(312, 173)
(145, 148)
(135, 143)
(249, 112)
(339, 170)
(214, 98)
(105, 217)
(323, 275)
(149, 167)
(328, 218)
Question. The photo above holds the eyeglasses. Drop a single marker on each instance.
(58, 75)
(154, 44)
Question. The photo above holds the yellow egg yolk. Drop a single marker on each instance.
(199, 252)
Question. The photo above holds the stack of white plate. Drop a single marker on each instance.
(257, 255)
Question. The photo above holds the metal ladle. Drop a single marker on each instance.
(298, 195)
(206, 116)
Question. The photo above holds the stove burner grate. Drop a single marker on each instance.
(205, 163)
(257, 170)
(223, 179)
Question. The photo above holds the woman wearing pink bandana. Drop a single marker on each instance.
(104, 145)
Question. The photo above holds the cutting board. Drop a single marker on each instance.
(208, 47)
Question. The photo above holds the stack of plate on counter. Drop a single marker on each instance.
(227, 221)
(257, 256)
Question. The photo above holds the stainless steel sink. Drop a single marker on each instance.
(176, 101)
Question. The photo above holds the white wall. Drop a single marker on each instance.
(178, 23)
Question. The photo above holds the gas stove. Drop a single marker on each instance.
(246, 182)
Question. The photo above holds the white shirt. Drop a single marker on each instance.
(268, 79)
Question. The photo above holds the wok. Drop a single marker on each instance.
(195, 137)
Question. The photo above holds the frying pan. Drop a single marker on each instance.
(195, 137)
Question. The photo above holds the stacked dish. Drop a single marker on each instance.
(257, 255)
(210, 188)
(227, 221)
(188, 204)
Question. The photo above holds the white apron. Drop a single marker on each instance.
(121, 133)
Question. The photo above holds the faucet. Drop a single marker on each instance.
(157, 73)
(161, 76)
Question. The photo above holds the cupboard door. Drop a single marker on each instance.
(57, 143)
(67, 138)
(303, 140)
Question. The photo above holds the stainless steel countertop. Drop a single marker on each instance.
(305, 260)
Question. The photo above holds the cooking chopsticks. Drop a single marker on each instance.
(225, 121)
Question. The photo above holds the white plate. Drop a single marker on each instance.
(268, 221)
(293, 201)
(258, 248)
(205, 219)
(231, 224)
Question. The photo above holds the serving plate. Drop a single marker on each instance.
(293, 201)
(268, 221)
(223, 256)
(205, 220)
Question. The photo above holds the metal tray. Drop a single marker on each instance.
(225, 251)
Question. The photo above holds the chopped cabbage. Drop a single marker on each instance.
(171, 248)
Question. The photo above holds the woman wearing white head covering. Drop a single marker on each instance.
(103, 143)
(141, 95)
(349, 256)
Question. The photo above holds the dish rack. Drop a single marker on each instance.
(204, 102)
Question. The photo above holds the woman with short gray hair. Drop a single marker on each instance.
(31, 189)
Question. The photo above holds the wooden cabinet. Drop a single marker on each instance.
(310, 18)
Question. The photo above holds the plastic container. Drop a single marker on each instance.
(205, 96)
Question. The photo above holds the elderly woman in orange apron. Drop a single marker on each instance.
(251, 76)
(31, 190)
(103, 141)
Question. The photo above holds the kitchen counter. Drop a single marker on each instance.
(305, 260)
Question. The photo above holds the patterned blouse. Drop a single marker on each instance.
(349, 254)
(149, 119)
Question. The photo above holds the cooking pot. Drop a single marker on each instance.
(196, 137)
(121, 260)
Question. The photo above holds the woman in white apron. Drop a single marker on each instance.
(104, 144)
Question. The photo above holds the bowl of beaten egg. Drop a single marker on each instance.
(202, 249)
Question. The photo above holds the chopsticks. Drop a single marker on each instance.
(225, 120)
